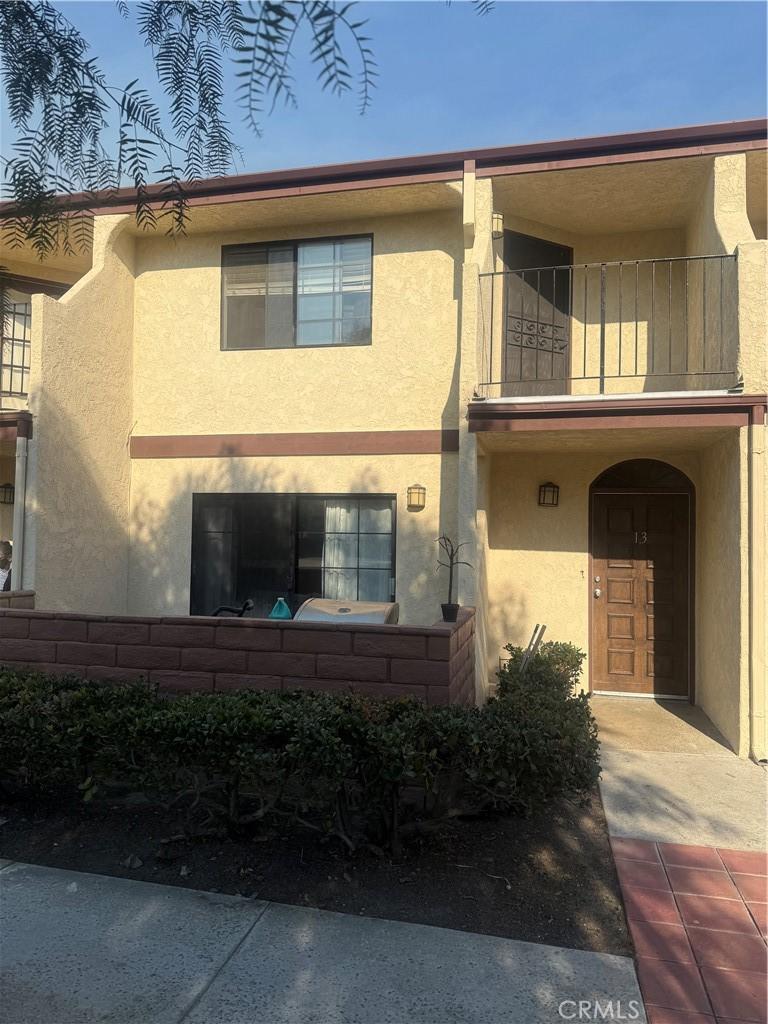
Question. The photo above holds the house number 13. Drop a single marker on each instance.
(641, 537)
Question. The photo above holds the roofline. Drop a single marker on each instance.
(728, 136)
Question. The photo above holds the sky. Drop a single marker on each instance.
(450, 79)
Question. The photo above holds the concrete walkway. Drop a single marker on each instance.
(79, 948)
(669, 776)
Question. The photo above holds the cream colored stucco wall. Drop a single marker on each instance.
(161, 518)
(406, 379)
(538, 559)
(719, 221)
(538, 562)
(722, 662)
(753, 315)
(76, 539)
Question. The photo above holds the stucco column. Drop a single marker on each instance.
(467, 491)
(19, 512)
(758, 569)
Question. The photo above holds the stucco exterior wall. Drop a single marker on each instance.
(538, 558)
(722, 553)
(76, 543)
(720, 222)
(753, 315)
(161, 518)
(538, 563)
(406, 379)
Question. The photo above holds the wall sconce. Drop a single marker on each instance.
(497, 225)
(7, 494)
(416, 497)
(549, 495)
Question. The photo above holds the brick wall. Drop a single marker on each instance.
(433, 663)
(17, 599)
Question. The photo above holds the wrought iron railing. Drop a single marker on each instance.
(15, 351)
(625, 326)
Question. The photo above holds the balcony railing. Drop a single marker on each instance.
(609, 328)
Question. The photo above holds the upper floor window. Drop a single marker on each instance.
(285, 294)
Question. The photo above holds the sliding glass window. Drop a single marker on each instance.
(288, 294)
(265, 546)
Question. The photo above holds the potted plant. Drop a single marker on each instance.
(451, 553)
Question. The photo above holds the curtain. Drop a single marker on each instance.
(340, 556)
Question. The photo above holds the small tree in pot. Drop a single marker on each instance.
(452, 560)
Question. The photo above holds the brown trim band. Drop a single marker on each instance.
(15, 423)
(374, 442)
(697, 411)
(35, 285)
(669, 142)
(599, 160)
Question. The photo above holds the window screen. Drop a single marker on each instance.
(285, 294)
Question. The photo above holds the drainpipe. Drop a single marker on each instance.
(758, 683)
(19, 508)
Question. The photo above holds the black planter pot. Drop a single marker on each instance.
(450, 612)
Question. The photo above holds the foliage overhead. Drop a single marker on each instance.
(78, 133)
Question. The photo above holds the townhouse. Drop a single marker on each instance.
(554, 353)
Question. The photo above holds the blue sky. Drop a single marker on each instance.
(528, 71)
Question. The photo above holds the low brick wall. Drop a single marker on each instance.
(17, 599)
(434, 663)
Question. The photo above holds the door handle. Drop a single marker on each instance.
(597, 591)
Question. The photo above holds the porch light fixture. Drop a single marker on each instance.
(549, 495)
(7, 494)
(416, 497)
(497, 225)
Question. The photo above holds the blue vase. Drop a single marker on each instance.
(280, 610)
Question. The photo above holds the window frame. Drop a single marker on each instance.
(201, 498)
(295, 242)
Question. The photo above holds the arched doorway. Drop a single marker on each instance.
(641, 580)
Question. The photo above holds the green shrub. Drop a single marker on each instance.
(555, 667)
(344, 764)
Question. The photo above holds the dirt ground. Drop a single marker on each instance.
(549, 878)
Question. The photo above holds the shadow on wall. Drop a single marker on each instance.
(161, 533)
(79, 525)
(77, 516)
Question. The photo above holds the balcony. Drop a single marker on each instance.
(633, 326)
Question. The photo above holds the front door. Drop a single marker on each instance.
(640, 593)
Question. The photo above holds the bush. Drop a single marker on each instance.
(555, 667)
(366, 770)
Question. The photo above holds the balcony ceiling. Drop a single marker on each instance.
(59, 266)
(646, 442)
(332, 207)
(608, 199)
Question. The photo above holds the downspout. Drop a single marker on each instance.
(758, 681)
(19, 511)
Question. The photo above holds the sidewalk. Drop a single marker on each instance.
(669, 776)
(81, 948)
(687, 821)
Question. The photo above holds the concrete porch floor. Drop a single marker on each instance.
(674, 726)
(669, 776)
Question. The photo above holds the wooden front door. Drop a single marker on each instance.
(640, 593)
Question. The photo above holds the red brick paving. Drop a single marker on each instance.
(697, 916)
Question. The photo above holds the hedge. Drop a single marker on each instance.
(366, 770)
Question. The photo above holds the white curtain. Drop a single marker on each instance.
(340, 551)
